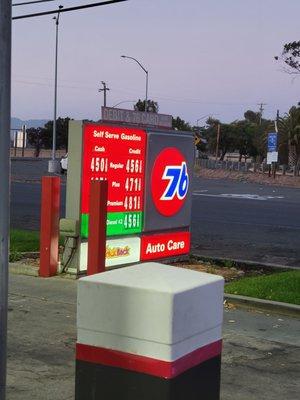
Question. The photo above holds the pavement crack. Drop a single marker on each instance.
(45, 299)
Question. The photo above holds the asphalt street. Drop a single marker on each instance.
(229, 219)
(246, 221)
(260, 355)
(26, 205)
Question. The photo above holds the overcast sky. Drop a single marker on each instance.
(204, 57)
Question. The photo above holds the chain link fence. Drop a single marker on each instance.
(247, 167)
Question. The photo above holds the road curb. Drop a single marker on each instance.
(265, 305)
(35, 181)
(23, 269)
(241, 301)
(238, 262)
(18, 268)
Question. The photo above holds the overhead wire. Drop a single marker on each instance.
(81, 7)
(27, 3)
(63, 10)
(168, 99)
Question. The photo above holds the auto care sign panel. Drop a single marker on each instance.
(116, 154)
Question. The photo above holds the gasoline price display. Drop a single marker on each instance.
(115, 154)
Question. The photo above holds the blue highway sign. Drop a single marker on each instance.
(272, 141)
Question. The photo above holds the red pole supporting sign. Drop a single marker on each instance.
(49, 234)
(97, 227)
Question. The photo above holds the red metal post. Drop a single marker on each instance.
(97, 227)
(49, 234)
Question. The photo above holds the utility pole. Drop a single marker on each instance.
(23, 139)
(261, 110)
(218, 140)
(5, 93)
(276, 121)
(104, 90)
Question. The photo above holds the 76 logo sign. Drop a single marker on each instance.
(178, 182)
(169, 181)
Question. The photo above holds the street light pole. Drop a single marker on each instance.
(122, 102)
(5, 93)
(199, 119)
(53, 165)
(147, 78)
(146, 105)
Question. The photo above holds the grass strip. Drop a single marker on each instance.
(281, 286)
(24, 241)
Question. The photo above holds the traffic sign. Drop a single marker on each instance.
(272, 141)
(197, 140)
(272, 157)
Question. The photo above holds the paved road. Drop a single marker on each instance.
(26, 205)
(260, 356)
(229, 219)
(246, 221)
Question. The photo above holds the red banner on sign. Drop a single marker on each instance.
(165, 245)
(116, 154)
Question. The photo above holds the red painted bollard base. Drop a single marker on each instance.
(49, 231)
(97, 227)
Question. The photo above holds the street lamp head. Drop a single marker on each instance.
(123, 56)
(60, 7)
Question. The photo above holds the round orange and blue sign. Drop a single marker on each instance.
(169, 181)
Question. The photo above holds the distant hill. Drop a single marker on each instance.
(16, 123)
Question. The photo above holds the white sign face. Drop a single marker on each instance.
(19, 139)
(136, 117)
(118, 252)
(272, 157)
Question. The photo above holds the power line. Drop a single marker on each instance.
(130, 92)
(31, 2)
(40, 14)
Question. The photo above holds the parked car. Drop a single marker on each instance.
(64, 164)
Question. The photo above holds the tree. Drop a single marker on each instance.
(152, 106)
(41, 138)
(289, 135)
(252, 116)
(62, 127)
(244, 139)
(36, 138)
(255, 134)
(180, 124)
(291, 57)
(227, 137)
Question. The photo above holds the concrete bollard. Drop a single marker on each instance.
(149, 331)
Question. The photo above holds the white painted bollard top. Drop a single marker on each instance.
(152, 310)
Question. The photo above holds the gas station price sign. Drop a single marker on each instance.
(116, 154)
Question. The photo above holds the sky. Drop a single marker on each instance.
(204, 57)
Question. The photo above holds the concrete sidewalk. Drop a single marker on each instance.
(260, 360)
